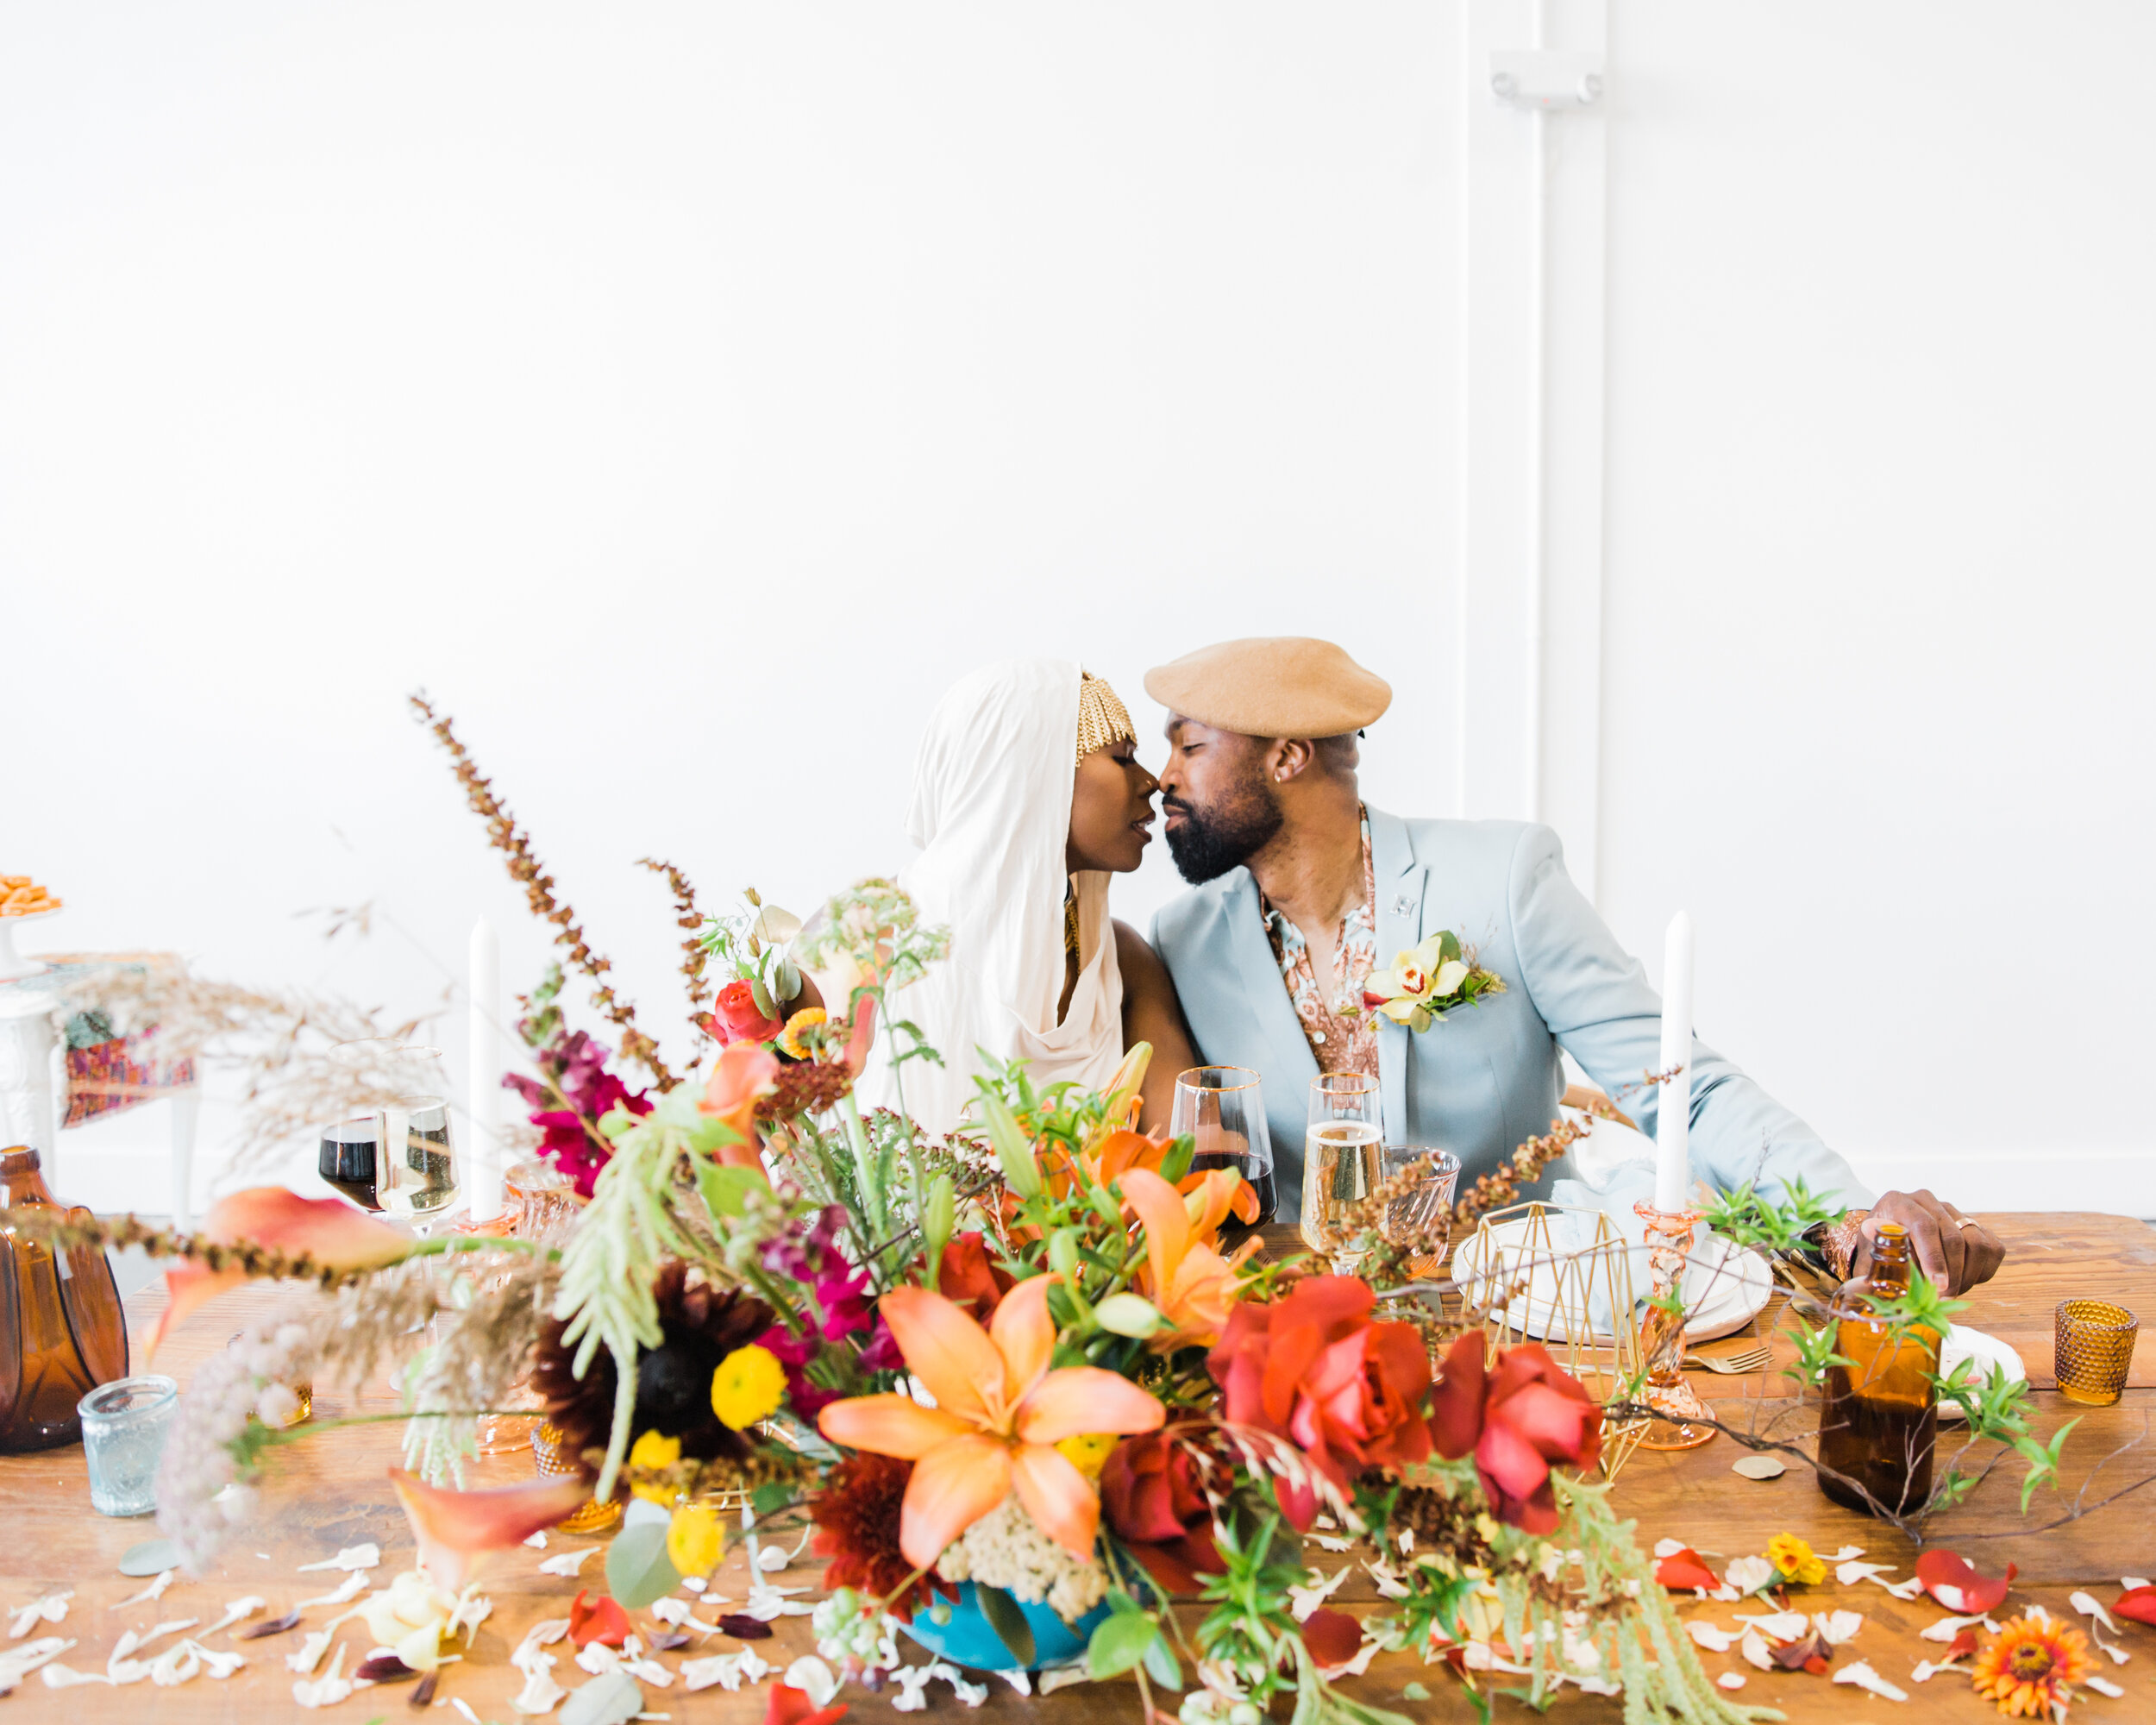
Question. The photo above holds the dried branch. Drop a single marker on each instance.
(695, 955)
(512, 840)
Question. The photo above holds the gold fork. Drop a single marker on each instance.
(1754, 1358)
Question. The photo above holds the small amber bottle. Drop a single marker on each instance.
(1879, 1424)
(62, 1330)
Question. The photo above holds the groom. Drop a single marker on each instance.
(1301, 890)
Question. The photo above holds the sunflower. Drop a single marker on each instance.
(2031, 1670)
(700, 1326)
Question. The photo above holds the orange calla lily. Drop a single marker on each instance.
(1191, 1285)
(453, 1527)
(999, 1413)
(744, 1072)
(331, 1233)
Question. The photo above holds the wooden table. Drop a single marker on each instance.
(335, 1493)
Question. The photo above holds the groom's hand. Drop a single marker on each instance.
(1951, 1249)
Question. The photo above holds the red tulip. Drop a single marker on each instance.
(600, 1619)
(2139, 1604)
(735, 1016)
(452, 1528)
(1956, 1585)
(1519, 1421)
(1150, 1495)
(1314, 1370)
(327, 1230)
(791, 1706)
(1684, 1568)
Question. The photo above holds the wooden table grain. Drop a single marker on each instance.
(333, 1492)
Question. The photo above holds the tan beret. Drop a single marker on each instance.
(1272, 685)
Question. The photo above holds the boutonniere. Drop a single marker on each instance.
(1423, 983)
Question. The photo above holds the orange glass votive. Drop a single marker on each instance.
(555, 1462)
(2093, 1350)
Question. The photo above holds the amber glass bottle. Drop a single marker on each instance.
(62, 1331)
(1880, 1421)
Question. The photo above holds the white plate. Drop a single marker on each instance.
(1987, 1350)
(1725, 1287)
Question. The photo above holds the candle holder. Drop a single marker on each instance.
(1682, 1415)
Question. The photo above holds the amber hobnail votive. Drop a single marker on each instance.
(555, 1462)
(2094, 1350)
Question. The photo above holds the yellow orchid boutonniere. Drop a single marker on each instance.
(1423, 983)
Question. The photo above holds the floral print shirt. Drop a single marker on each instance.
(1341, 1033)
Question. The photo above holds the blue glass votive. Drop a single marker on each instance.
(123, 1428)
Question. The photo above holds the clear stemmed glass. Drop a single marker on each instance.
(1342, 1164)
(398, 1161)
(1223, 1108)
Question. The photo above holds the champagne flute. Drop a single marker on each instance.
(1342, 1164)
(1223, 1108)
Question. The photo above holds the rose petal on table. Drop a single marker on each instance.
(368, 1556)
(1808, 1652)
(669, 1641)
(1955, 1585)
(276, 1626)
(1706, 1635)
(1333, 1637)
(1683, 1570)
(2137, 1603)
(385, 1668)
(1863, 1677)
(600, 1619)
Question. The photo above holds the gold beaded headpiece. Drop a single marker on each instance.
(1102, 718)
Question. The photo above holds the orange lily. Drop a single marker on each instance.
(453, 1527)
(999, 1413)
(1109, 1158)
(327, 1230)
(1191, 1285)
(744, 1072)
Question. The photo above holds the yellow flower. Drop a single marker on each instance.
(1088, 1453)
(789, 1042)
(1794, 1559)
(2031, 1670)
(695, 1539)
(653, 1453)
(748, 1386)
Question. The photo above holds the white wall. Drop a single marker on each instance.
(684, 396)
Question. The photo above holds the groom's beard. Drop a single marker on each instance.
(1208, 843)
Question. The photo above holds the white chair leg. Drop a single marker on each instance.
(186, 1108)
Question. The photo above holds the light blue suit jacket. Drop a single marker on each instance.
(1486, 1078)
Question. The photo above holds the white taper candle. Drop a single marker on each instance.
(1673, 1108)
(483, 1180)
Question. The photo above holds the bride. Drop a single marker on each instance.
(1027, 795)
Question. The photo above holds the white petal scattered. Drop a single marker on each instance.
(1947, 1627)
(541, 1693)
(679, 1613)
(1753, 1647)
(238, 1610)
(309, 1653)
(543, 1634)
(2119, 1655)
(1846, 1553)
(472, 1610)
(368, 1556)
(1861, 1674)
(598, 1658)
(2086, 1603)
(813, 1678)
(968, 1694)
(1304, 1600)
(1706, 1635)
(1783, 1626)
(175, 1665)
(1389, 1585)
(567, 1563)
(2102, 1686)
(729, 1670)
(2037, 1613)
(50, 1609)
(352, 1587)
(1329, 1542)
(65, 1677)
(154, 1590)
(1730, 1680)
(1748, 1575)
(465, 1708)
(18, 1663)
(773, 1559)
(1361, 1662)
(1836, 1628)
(766, 1602)
(538, 1540)
(1926, 1671)
(328, 1689)
(1668, 1548)
(695, 1584)
(1849, 1574)
(2130, 1581)
(220, 1666)
(1060, 1676)
(1020, 1680)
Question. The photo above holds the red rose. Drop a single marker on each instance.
(971, 1277)
(1518, 1420)
(735, 1017)
(600, 1619)
(1153, 1502)
(1315, 1370)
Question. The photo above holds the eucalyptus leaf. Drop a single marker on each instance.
(151, 1556)
(614, 1699)
(638, 1569)
(1161, 1664)
(770, 1497)
(1119, 1642)
(1007, 1621)
(761, 996)
(785, 979)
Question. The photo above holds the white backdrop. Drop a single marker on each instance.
(684, 398)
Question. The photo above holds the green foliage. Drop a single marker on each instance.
(638, 1569)
(1814, 1354)
(1122, 1639)
(1747, 1217)
(751, 947)
(1249, 1628)
(1007, 1621)
(1997, 1409)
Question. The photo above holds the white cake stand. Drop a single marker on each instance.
(13, 965)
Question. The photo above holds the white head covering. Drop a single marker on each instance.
(991, 811)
